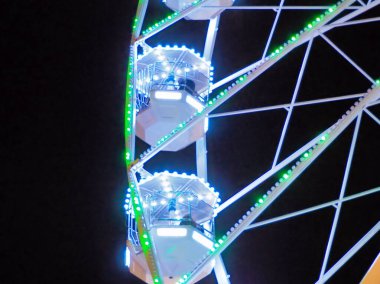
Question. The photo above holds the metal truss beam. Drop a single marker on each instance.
(341, 195)
(345, 56)
(353, 14)
(312, 209)
(220, 271)
(357, 22)
(212, 32)
(358, 10)
(278, 167)
(276, 7)
(372, 116)
(266, 175)
(374, 103)
(349, 254)
(252, 75)
(278, 13)
(139, 19)
(334, 132)
(285, 106)
(291, 106)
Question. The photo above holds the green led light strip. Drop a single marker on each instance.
(128, 114)
(319, 21)
(158, 24)
(144, 236)
(219, 246)
(143, 233)
(172, 17)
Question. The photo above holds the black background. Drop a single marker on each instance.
(63, 177)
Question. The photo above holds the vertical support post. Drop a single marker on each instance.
(201, 156)
(132, 139)
(220, 271)
(201, 148)
(341, 196)
(212, 32)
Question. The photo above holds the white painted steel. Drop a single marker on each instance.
(349, 254)
(278, 13)
(291, 106)
(334, 132)
(276, 107)
(312, 209)
(255, 70)
(372, 116)
(341, 195)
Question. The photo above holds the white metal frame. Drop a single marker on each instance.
(354, 8)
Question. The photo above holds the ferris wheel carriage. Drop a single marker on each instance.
(202, 13)
(179, 210)
(172, 85)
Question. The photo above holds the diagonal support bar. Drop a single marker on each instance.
(278, 13)
(345, 56)
(264, 65)
(300, 167)
(294, 97)
(341, 195)
(312, 209)
(212, 32)
(139, 19)
(272, 171)
(220, 271)
(349, 254)
(323, 29)
(372, 116)
(282, 106)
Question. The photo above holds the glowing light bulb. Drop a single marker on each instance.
(167, 188)
(165, 183)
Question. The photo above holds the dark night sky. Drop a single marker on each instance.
(63, 178)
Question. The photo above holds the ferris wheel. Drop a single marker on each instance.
(173, 231)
